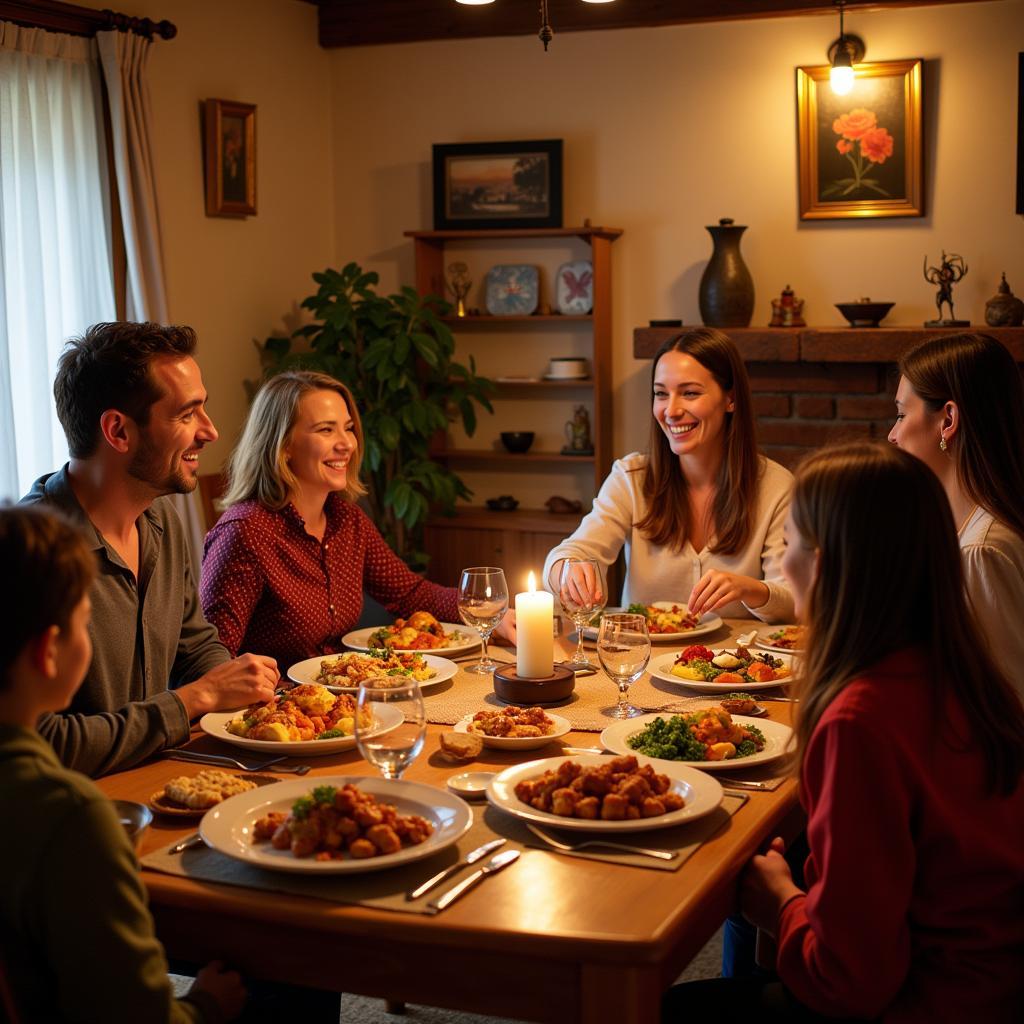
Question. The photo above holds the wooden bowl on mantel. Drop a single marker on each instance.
(865, 313)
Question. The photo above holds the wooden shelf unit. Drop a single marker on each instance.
(430, 278)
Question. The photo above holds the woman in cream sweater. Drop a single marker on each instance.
(701, 515)
(960, 410)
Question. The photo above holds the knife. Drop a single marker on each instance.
(471, 858)
(502, 860)
(187, 843)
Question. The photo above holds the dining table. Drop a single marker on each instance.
(551, 938)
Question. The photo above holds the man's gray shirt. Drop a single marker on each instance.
(148, 637)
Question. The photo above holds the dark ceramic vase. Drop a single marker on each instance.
(726, 288)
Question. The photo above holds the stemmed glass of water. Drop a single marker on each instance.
(390, 750)
(581, 592)
(483, 601)
(624, 647)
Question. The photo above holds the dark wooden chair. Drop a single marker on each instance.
(211, 490)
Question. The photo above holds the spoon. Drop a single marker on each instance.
(746, 639)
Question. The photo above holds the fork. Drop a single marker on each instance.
(573, 847)
(194, 757)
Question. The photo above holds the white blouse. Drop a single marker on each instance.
(655, 573)
(993, 560)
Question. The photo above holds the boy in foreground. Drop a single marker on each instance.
(76, 939)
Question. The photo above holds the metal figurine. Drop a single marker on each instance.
(459, 284)
(950, 270)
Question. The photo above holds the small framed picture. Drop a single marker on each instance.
(230, 158)
(860, 153)
(498, 185)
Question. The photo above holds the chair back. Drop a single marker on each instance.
(211, 489)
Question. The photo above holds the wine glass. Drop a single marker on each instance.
(581, 591)
(483, 601)
(624, 648)
(392, 750)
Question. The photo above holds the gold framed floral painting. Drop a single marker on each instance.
(860, 153)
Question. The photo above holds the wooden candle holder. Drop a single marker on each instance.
(547, 691)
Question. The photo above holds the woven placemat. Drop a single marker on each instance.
(385, 890)
(467, 693)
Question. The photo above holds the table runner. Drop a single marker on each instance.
(385, 890)
(466, 693)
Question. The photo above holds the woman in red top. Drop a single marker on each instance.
(285, 567)
(910, 754)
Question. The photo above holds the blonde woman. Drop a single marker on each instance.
(285, 567)
(701, 514)
(908, 747)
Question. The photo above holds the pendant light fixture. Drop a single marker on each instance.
(546, 33)
(846, 51)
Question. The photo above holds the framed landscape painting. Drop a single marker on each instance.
(498, 185)
(230, 163)
(860, 154)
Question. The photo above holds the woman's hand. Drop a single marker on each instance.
(716, 588)
(766, 886)
(505, 631)
(581, 587)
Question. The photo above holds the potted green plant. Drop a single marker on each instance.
(396, 356)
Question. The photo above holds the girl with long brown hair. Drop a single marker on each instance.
(960, 409)
(908, 747)
(700, 515)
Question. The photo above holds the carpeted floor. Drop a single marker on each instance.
(363, 1010)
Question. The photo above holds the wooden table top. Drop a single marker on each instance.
(549, 915)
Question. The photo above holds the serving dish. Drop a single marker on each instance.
(776, 737)
(561, 727)
(701, 793)
(358, 640)
(215, 724)
(308, 670)
(227, 827)
(661, 668)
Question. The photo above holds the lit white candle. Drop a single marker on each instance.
(535, 644)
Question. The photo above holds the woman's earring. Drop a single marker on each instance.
(942, 444)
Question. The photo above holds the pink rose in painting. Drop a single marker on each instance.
(854, 124)
(843, 146)
(876, 144)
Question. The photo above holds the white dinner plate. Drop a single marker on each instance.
(561, 727)
(358, 640)
(661, 668)
(708, 623)
(776, 738)
(215, 724)
(777, 650)
(308, 670)
(701, 792)
(227, 827)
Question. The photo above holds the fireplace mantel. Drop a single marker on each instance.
(826, 344)
(812, 385)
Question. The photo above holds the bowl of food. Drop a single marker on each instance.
(865, 313)
(517, 441)
(135, 818)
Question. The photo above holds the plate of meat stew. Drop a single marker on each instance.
(535, 790)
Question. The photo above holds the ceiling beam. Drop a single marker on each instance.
(369, 22)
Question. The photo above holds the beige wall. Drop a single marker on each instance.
(236, 280)
(668, 129)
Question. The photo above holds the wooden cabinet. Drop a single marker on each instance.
(519, 540)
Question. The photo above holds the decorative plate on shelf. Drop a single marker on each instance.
(574, 288)
(513, 289)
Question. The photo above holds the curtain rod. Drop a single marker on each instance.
(57, 16)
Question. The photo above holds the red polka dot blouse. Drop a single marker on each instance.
(271, 588)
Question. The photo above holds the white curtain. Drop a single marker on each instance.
(55, 251)
(124, 57)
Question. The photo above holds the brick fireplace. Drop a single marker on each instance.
(813, 386)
